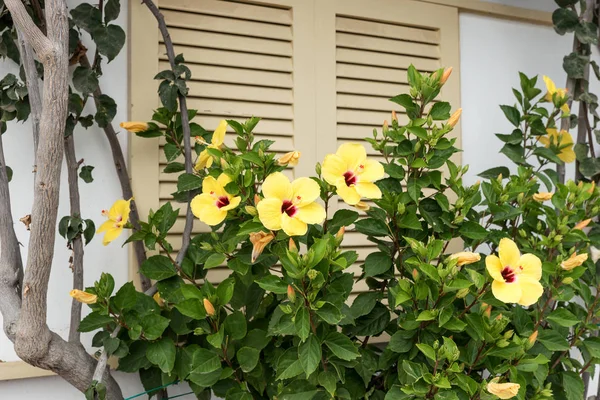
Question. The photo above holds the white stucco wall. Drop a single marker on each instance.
(492, 51)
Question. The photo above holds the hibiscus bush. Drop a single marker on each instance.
(474, 292)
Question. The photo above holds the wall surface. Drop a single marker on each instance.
(492, 51)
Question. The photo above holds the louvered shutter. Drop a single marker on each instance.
(364, 50)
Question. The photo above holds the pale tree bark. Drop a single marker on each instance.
(34, 342)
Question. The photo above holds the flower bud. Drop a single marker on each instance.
(415, 274)
(259, 241)
(454, 118)
(574, 261)
(568, 280)
(256, 199)
(522, 233)
(83, 297)
(290, 158)
(386, 126)
(488, 311)
(532, 338)
(340, 234)
(251, 210)
(583, 224)
(401, 208)
(446, 75)
(158, 299)
(224, 163)
(508, 334)
(394, 116)
(291, 293)
(462, 293)
(292, 245)
(134, 126)
(210, 309)
(362, 206)
(592, 187)
(465, 258)
(542, 196)
(312, 274)
(498, 317)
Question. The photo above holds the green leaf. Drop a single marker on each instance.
(162, 354)
(574, 64)
(235, 325)
(440, 111)
(158, 268)
(225, 290)
(512, 114)
(205, 361)
(329, 313)
(111, 10)
(514, 152)
(109, 40)
(302, 323)
(272, 283)
(573, 385)
(309, 354)
(377, 264)
(94, 321)
(427, 315)
(328, 380)
(89, 231)
(86, 173)
(563, 317)
(248, 358)
(473, 230)
(399, 343)
(587, 32)
(372, 227)
(106, 109)
(592, 344)
(410, 221)
(87, 17)
(342, 218)
(493, 173)
(553, 340)
(192, 308)
(125, 297)
(288, 365)
(187, 182)
(153, 326)
(85, 80)
(341, 346)
(565, 20)
(364, 303)
(136, 359)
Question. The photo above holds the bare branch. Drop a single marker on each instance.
(123, 174)
(185, 124)
(565, 122)
(40, 43)
(77, 243)
(33, 87)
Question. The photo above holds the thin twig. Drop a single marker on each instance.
(185, 125)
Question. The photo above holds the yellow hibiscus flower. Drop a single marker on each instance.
(118, 215)
(516, 277)
(289, 205)
(212, 205)
(352, 174)
(134, 126)
(83, 297)
(506, 390)
(560, 94)
(560, 139)
(205, 160)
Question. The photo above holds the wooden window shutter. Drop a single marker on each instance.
(364, 50)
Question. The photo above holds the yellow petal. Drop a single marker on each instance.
(333, 169)
(223, 180)
(292, 158)
(312, 213)
(368, 190)
(531, 290)
(494, 267)
(506, 292)
(509, 253)
(219, 134)
(202, 161)
(348, 194)
(83, 297)
(353, 154)
(530, 266)
(550, 86)
(304, 191)
(233, 203)
(111, 234)
(544, 140)
(292, 226)
(259, 241)
(106, 225)
(503, 390)
(210, 186)
(565, 108)
(119, 211)
(466, 258)
(205, 209)
(372, 171)
(269, 213)
(278, 186)
(134, 126)
(567, 155)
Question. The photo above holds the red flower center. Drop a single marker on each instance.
(289, 208)
(350, 178)
(508, 274)
(222, 201)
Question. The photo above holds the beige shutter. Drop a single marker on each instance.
(319, 72)
(364, 50)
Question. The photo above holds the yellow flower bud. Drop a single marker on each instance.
(290, 158)
(462, 293)
(542, 196)
(158, 299)
(251, 210)
(583, 224)
(312, 274)
(340, 233)
(498, 317)
(591, 189)
(394, 117)
(465, 258)
(574, 261)
(568, 280)
(386, 126)
(532, 338)
(446, 75)
(259, 241)
(503, 390)
(83, 297)
(256, 199)
(454, 118)
(291, 293)
(362, 206)
(292, 245)
(134, 126)
(415, 274)
(224, 164)
(210, 309)
(488, 311)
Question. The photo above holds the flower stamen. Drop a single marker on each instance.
(288, 208)
(350, 178)
(508, 274)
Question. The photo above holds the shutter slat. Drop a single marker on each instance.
(352, 56)
(240, 109)
(236, 10)
(387, 45)
(386, 30)
(230, 42)
(237, 75)
(378, 74)
(370, 88)
(241, 92)
(366, 103)
(212, 23)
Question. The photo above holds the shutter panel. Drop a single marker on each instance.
(364, 51)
